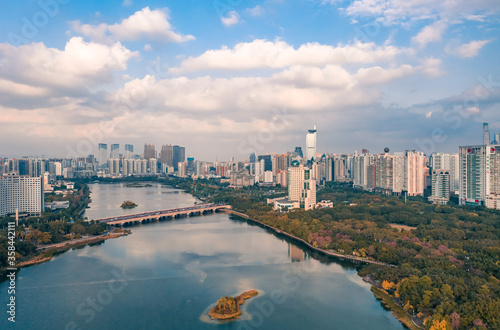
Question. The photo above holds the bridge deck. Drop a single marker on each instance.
(155, 215)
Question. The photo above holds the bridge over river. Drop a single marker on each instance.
(131, 219)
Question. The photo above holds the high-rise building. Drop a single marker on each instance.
(25, 166)
(252, 157)
(384, 165)
(153, 165)
(268, 163)
(450, 162)
(311, 144)
(149, 151)
(493, 170)
(115, 151)
(440, 187)
(414, 173)
(298, 152)
(496, 140)
(178, 156)
(127, 167)
(166, 155)
(360, 169)
(486, 134)
(472, 167)
(190, 166)
(480, 175)
(102, 154)
(114, 166)
(301, 188)
(129, 151)
(21, 193)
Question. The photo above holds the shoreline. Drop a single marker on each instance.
(46, 254)
(384, 298)
(300, 240)
(387, 302)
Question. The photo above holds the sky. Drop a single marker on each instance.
(225, 78)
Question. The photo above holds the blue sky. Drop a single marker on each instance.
(226, 77)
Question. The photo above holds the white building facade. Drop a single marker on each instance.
(22, 193)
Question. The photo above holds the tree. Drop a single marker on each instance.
(455, 320)
(388, 285)
(37, 236)
(78, 229)
(439, 325)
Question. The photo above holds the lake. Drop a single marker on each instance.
(167, 275)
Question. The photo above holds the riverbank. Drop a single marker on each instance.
(398, 312)
(321, 251)
(386, 299)
(46, 253)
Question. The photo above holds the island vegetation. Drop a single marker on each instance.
(137, 185)
(229, 308)
(128, 205)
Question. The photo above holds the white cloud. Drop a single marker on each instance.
(256, 11)
(48, 72)
(398, 11)
(148, 48)
(378, 75)
(278, 54)
(232, 18)
(471, 49)
(432, 67)
(144, 24)
(430, 33)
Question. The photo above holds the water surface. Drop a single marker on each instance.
(166, 276)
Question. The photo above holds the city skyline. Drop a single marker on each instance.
(213, 78)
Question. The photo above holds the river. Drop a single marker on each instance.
(167, 275)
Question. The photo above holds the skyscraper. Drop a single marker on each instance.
(480, 175)
(166, 155)
(301, 188)
(149, 151)
(268, 162)
(298, 152)
(497, 139)
(311, 144)
(25, 167)
(115, 151)
(449, 162)
(179, 156)
(102, 154)
(486, 134)
(414, 173)
(472, 174)
(440, 187)
(190, 166)
(129, 151)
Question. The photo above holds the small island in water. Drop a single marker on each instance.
(137, 185)
(229, 308)
(128, 205)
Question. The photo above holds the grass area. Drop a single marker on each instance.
(402, 227)
(397, 311)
